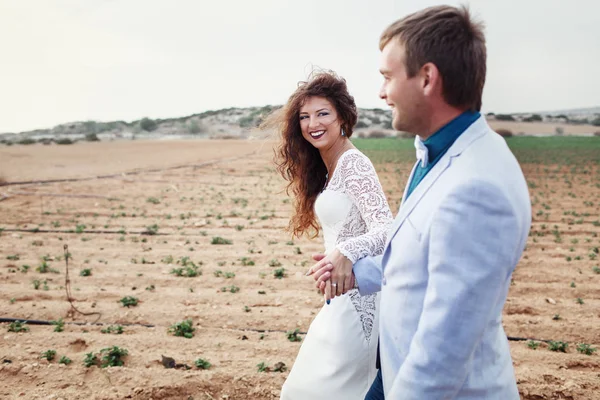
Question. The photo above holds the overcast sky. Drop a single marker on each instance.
(71, 60)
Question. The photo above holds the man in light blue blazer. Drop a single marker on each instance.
(461, 228)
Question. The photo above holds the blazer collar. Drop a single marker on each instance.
(473, 132)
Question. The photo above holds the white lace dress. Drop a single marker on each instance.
(337, 356)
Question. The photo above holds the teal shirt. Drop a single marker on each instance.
(439, 143)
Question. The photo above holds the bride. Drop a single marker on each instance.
(335, 183)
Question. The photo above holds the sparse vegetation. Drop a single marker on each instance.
(184, 329)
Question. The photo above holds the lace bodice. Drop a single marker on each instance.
(353, 211)
(355, 217)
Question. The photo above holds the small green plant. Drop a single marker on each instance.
(274, 263)
(152, 200)
(557, 346)
(18, 326)
(113, 356)
(36, 284)
(14, 257)
(231, 289)
(596, 270)
(532, 344)
(262, 367)
(247, 309)
(129, 301)
(586, 349)
(59, 325)
(556, 317)
(279, 273)
(90, 359)
(85, 272)
(246, 261)
(573, 284)
(183, 328)
(80, 228)
(116, 329)
(188, 271)
(44, 268)
(64, 360)
(48, 355)
(579, 301)
(202, 364)
(229, 275)
(220, 240)
(293, 335)
(151, 230)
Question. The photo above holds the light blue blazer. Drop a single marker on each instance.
(445, 274)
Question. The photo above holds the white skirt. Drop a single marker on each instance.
(338, 353)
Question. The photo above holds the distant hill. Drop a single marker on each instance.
(225, 123)
(236, 123)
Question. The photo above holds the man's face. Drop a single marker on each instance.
(399, 91)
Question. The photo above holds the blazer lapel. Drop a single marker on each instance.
(476, 130)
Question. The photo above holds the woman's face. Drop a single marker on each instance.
(319, 123)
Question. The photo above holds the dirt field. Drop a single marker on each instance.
(134, 231)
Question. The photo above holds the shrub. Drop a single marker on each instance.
(64, 141)
(504, 117)
(148, 124)
(26, 141)
(129, 301)
(533, 118)
(194, 127)
(18, 326)
(91, 137)
(361, 124)
(113, 357)
(49, 355)
(220, 240)
(184, 329)
(202, 364)
(557, 346)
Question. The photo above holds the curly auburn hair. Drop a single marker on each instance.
(298, 161)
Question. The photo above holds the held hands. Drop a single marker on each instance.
(333, 274)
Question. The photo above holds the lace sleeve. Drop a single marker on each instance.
(358, 179)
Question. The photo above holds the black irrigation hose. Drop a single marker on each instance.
(41, 322)
(89, 232)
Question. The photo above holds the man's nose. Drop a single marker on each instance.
(382, 92)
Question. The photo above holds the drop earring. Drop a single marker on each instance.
(343, 133)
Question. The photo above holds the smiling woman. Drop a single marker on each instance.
(336, 188)
(311, 126)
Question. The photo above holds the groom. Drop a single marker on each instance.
(461, 228)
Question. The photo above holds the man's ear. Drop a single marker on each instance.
(430, 78)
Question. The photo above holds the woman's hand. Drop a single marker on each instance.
(335, 268)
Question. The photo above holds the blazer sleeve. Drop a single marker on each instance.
(474, 244)
(367, 272)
